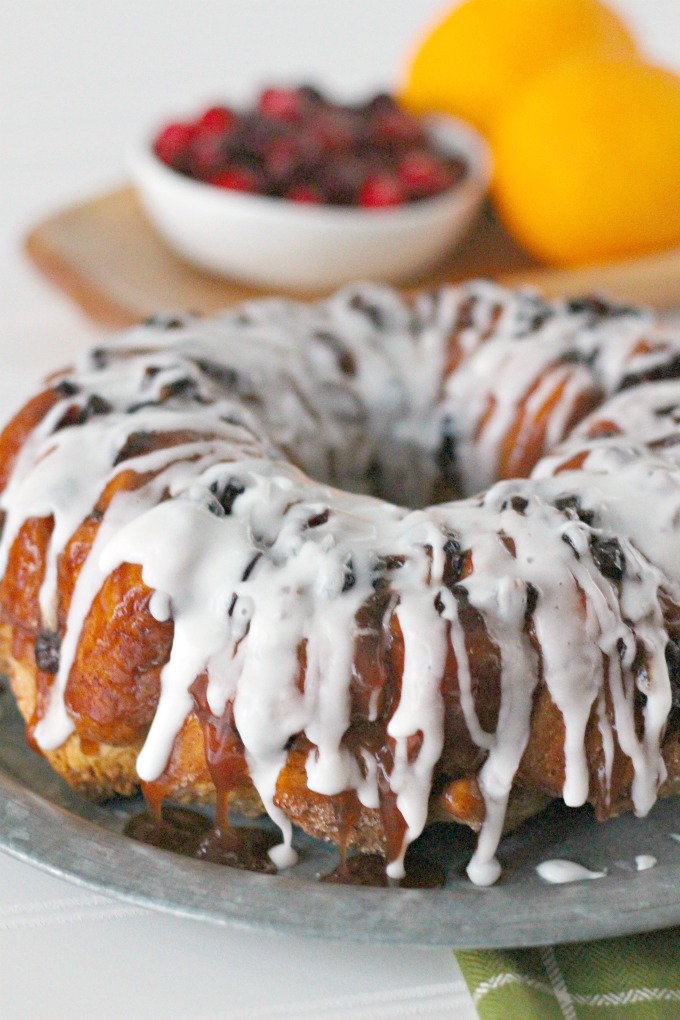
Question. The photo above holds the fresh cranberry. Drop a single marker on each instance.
(207, 154)
(333, 131)
(236, 179)
(380, 191)
(394, 125)
(280, 104)
(306, 193)
(310, 95)
(216, 120)
(423, 173)
(341, 180)
(254, 135)
(173, 144)
(281, 158)
(382, 102)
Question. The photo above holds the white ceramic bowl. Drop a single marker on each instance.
(272, 242)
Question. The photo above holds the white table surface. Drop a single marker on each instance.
(79, 81)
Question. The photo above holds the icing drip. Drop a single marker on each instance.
(261, 569)
(559, 872)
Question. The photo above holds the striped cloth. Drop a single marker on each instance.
(632, 978)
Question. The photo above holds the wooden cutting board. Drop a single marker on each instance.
(105, 254)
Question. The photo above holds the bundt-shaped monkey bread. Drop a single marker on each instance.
(211, 585)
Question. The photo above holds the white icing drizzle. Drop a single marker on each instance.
(253, 561)
(559, 872)
(644, 862)
(607, 737)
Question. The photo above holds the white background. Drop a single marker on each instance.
(80, 81)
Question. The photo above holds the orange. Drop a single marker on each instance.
(587, 162)
(485, 50)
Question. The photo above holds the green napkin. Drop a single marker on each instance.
(632, 978)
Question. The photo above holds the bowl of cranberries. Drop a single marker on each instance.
(302, 192)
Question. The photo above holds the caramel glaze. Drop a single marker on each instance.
(187, 832)
(183, 831)
(422, 872)
(191, 834)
